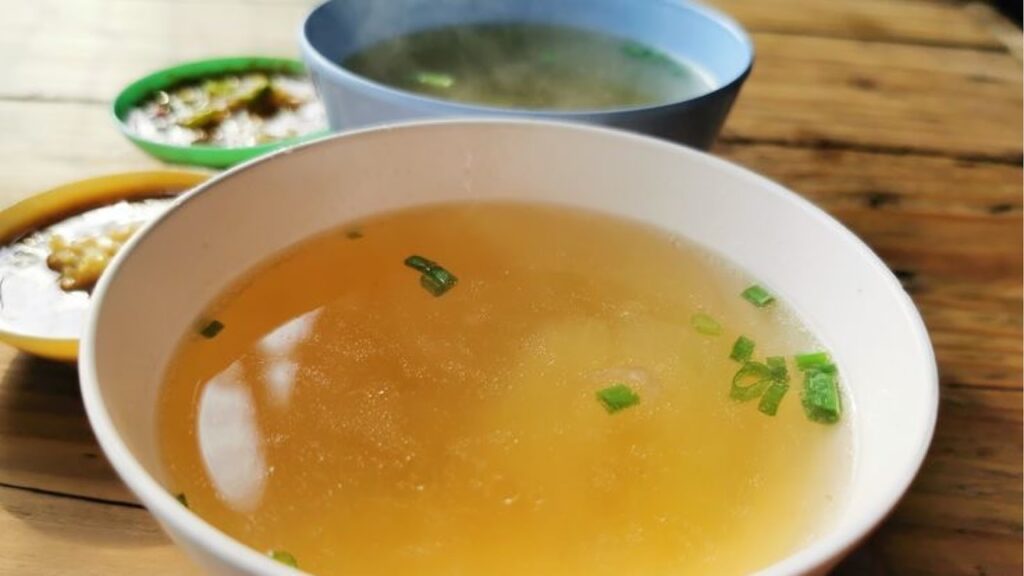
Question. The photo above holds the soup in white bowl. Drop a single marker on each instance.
(512, 348)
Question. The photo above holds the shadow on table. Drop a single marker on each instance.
(53, 477)
(45, 438)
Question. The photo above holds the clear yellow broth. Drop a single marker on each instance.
(350, 418)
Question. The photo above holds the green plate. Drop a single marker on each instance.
(202, 155)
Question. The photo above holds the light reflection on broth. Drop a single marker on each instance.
(347, 416)
(230, 441)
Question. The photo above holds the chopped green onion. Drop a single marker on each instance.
(777, 366)
(637, 50)
(705, 324)
(435, 79)
(435, 278)
(750, 381)
(772, 397)
(284, 558)
(828, 368)
(420, 263)
(354, 234)
(180, 497)
(617, 397)
(758, 296)
(211, 329)
(812, 360)
(443, 277)
(742, 349)
(821, 399)
(438, 281)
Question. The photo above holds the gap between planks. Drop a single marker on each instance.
(830, 144)
(71, 496)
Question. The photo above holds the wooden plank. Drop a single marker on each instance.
(939, 23)
(998, 26)
(940, 215)
(881, 96)
(899, 551)
(46, 536)
(803, 89)
(104, 44)
(45, 439)
(57, 143)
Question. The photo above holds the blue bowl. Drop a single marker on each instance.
(692, 32)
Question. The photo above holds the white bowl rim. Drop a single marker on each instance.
(828, 548)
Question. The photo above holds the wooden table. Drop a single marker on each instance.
(900, 117)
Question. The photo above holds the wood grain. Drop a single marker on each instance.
(45, 439)
(59, 142)
(46, 535)
(908, 21)
(804, 89)
(889, 97)
(103, 44)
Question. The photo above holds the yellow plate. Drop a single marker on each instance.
(54, 205)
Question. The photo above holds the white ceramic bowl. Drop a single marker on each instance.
(169, 273)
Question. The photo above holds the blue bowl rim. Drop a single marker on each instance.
(313, 57)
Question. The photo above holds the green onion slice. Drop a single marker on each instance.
(750, 381)
(180, 497)
(435, 79)
(617, 397)
(435, 278)
(757, 296)
(284, 558)
(821, 398)
(829, 368)
(420, 263)
(211, 329)
(813, 361)
(742, 349)
(772, 397)
(777, 366)
(705, 324)
(438, 281)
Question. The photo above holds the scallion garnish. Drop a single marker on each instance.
(813, 360)
(750, 381)
(353, 234)
(617, 397)
(830, 368)
(757, 296)
(180, 497)
(420, 263)
(435, 79)
(777, 366)
(435, 279)
(821, 399)
(211, 329)
(705, 324)
(772, 397)
(284, 558)
(742, 349)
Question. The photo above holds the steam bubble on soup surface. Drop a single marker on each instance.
(383, 429)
